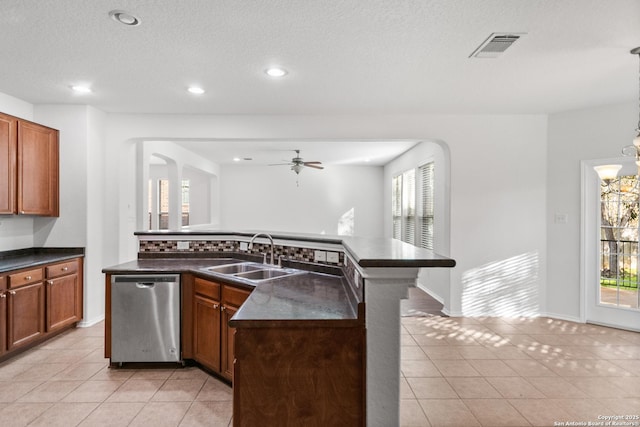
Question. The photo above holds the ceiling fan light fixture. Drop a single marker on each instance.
(296, 168)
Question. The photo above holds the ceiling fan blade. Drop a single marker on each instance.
(281, 164)
(312, 163)
(313, 166)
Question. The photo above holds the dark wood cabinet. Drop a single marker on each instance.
(206, 323)
(8, 147)
(213, 305)
(25, 315)
(64, 294)
(37, 303)
(29, 168)
(232, 299)
(3, 315)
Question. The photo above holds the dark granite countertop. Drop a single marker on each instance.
(160, 265)
(34, 257)
(305, 297)
(309, 296)
(366, 251)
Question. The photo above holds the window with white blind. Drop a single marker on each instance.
(410, 224)
(426, 206)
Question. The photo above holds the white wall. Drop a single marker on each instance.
(498, 187)
(598, 133)
(70, 228)
(16, 232)
(267, 198)
(96, 257)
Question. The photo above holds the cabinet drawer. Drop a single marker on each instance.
(3, 282)
(25, 277)
(207, 289)
(61, 269)
(234, 296)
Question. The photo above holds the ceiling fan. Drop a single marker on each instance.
(297, 163)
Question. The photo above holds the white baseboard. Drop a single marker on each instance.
(90, 322)
(561, 317)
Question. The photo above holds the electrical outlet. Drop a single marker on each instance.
(244, 246)
(356, 279)
(183, 246)
(333, 257)
(320, 256)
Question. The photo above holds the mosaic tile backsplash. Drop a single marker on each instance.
(287, 252)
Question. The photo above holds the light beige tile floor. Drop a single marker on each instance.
(66, 382)
(515, 372)
(455, 372)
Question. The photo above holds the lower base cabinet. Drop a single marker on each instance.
(25, 315)
(207, 337)
(36, 303)
(299, 376)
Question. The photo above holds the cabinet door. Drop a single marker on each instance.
(206, 332)
(25, 307)
(8, 142)
(228, 334)
(232, 299)
(63, 305)
(37, 170)
(3, 321)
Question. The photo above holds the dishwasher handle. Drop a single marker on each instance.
(145, 285)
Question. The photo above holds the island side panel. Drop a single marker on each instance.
(299, 376)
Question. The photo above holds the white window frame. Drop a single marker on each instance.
(411, 212)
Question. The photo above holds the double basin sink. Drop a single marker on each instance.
(252, 272)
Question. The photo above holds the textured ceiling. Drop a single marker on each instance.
(343, 56)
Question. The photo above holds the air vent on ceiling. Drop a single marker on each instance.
(495, 45)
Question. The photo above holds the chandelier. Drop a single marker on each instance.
(609, 172)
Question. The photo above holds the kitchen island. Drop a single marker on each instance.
(373, 275)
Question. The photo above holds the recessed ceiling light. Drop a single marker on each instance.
(124, 18)
(275, 72)
(81, 89)
(236, 159)
(196, 90)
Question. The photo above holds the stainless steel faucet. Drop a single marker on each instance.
(267, 236)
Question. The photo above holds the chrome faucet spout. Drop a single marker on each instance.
(268, 236)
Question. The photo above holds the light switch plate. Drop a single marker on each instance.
(244, 246)
(183, 246)
(320, 256)
(333, 257)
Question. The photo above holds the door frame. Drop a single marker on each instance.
(590, 310)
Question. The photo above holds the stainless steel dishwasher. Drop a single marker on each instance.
(145, 318)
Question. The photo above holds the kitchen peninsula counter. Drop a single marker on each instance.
(307, 296)
(344, 330)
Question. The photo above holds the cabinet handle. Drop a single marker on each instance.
(3, 295)
(50, 282)
(12, 292)
(223, 308)
(65, 268)
(27, 278)
(215, 306)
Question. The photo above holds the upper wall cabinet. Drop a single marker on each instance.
(28, 168)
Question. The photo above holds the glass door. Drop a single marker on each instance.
(611, 254)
